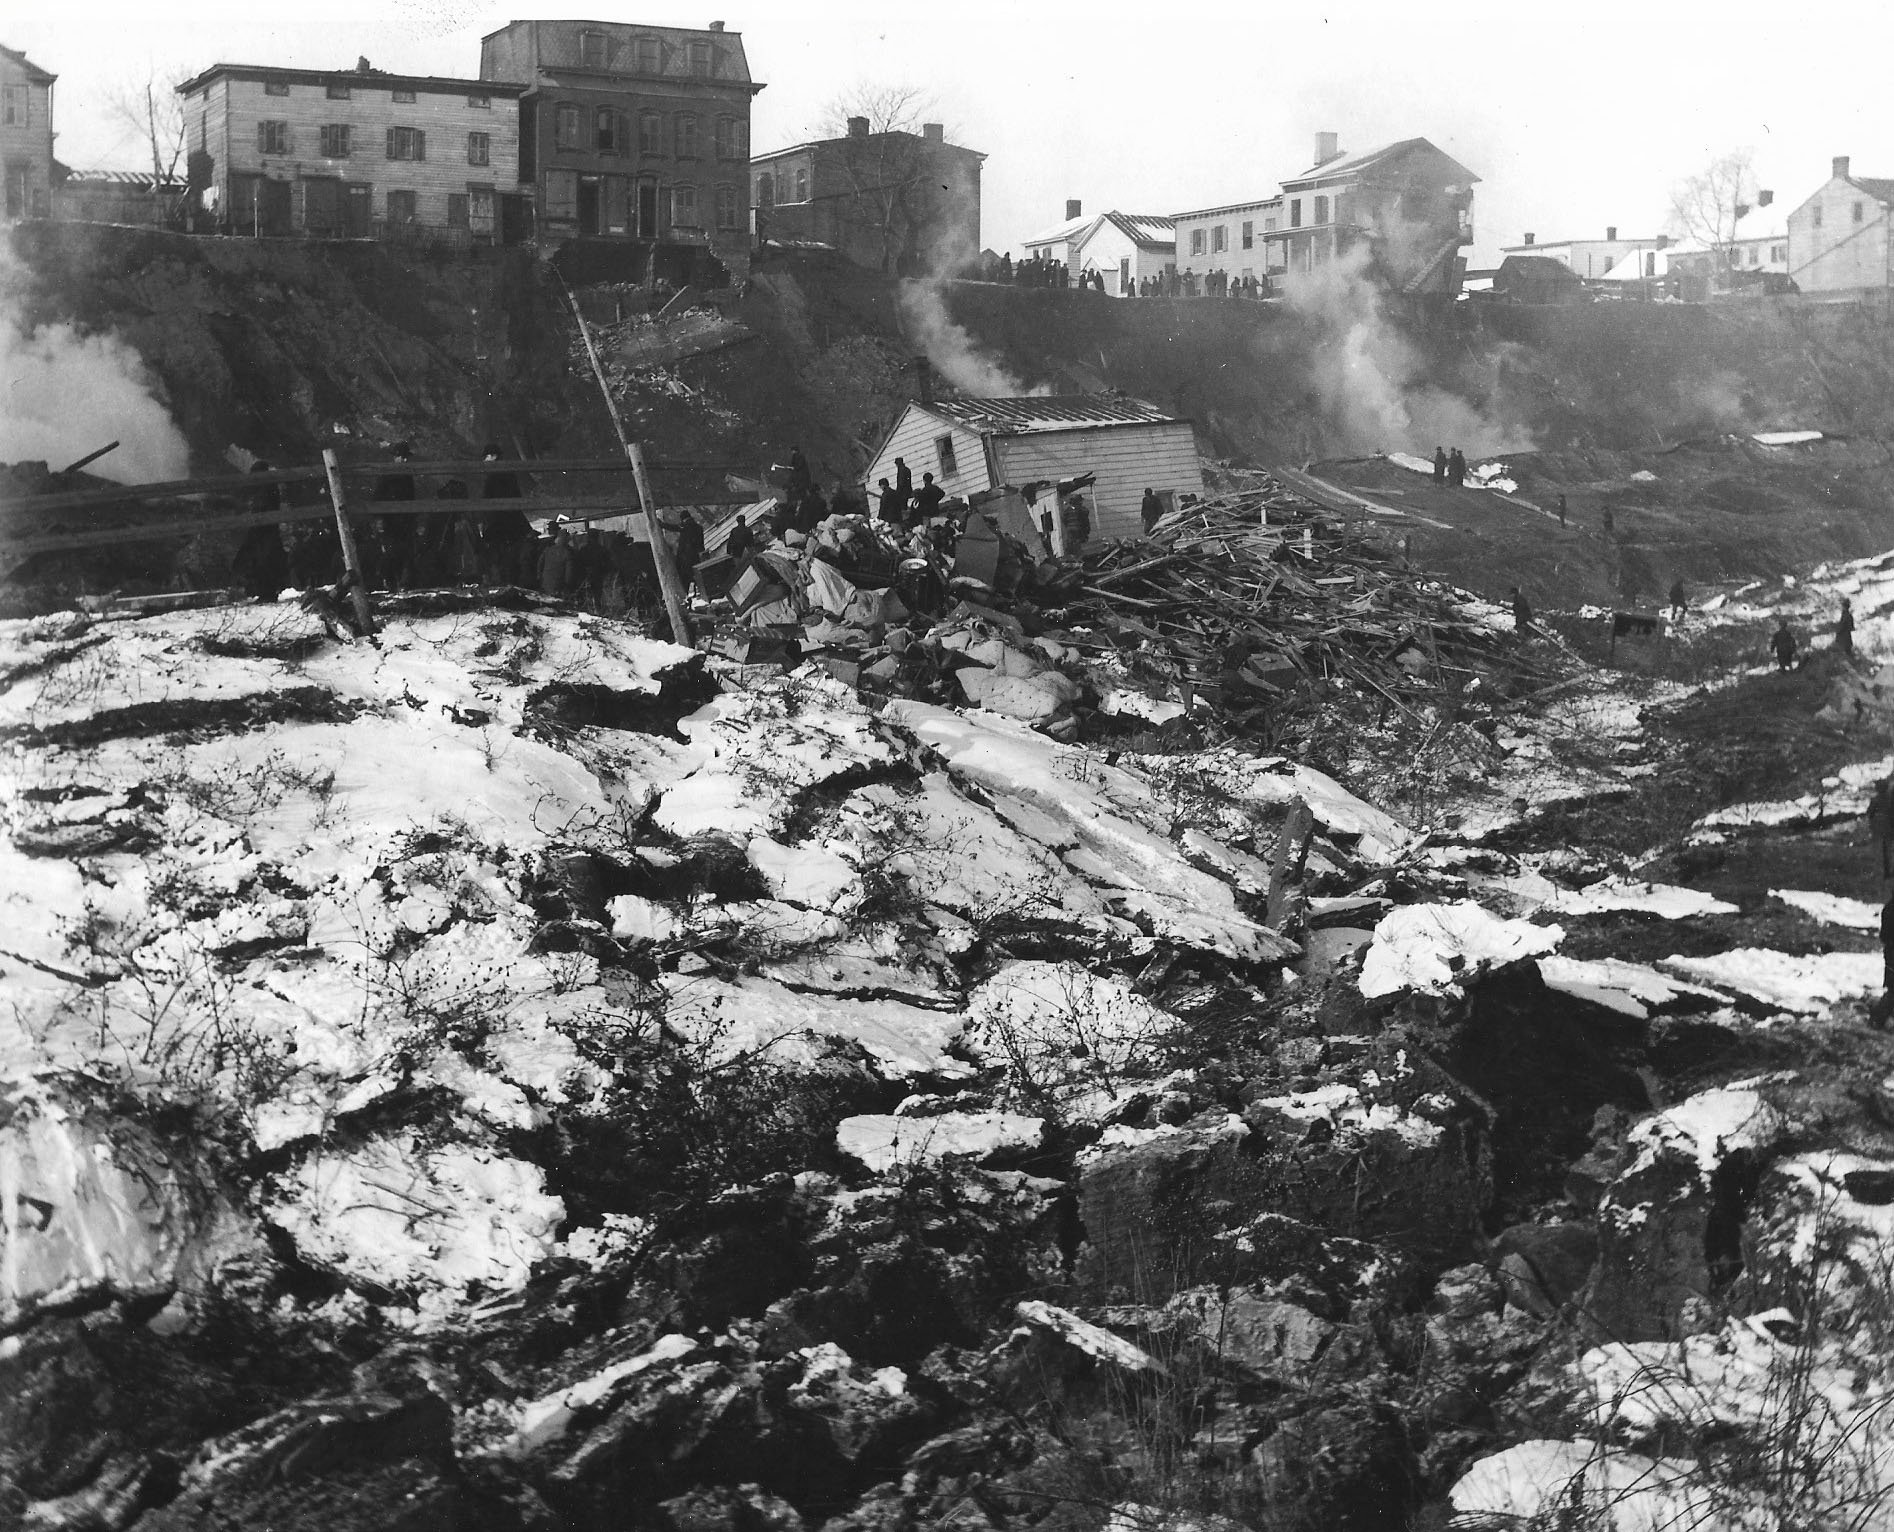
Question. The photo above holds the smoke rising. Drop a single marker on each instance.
(955, 355)
(1371, 381)
(69, 393)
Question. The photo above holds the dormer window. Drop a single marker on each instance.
(650, 56)
(700, 58)
(591, 50)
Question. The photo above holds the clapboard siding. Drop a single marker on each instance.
(914, 438)
(1128, 459)
(233, 107)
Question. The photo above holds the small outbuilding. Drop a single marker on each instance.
(973, 445)
(1537, 279)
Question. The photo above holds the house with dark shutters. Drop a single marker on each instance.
(635, 133)
(352, 154)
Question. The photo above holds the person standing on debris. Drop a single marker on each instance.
(1078, 524)
(687, 547)
(1522, 612)
(1784, 645)
(1845, 629)
(398, 533)
(927, 498)
(740, 540)
(1456, 467)
(904, 482)
(1561, 510)
(798, 473)
(1440, 465)
(1150, 508)
(1679, 601)
(890, 507)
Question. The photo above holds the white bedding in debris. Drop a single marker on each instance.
(1430, 947)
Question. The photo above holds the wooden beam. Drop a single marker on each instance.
(351, 560)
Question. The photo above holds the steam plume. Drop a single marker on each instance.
(1371, 380)
(955, 355)
(68, 393)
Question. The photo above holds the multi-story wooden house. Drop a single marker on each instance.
(352, 154)
(1233, 238)
(26, 135)
(636, 133)
(1409, 202)
(1839, 241)
(892, 201)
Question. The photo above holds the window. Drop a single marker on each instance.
(1321, 210)
(1196, 241)
(686, 136)
(700, 58)
(591, 50)
(1295, 213)
(683, 207)
(479, 148)
(1778, 253)
(1220, 238)
(456, 210)
(1817, 219)
(765, 191)
(650, 133)
(270, 88)
(402, 97)
(1249, 234)
(565, 127)
(1857, 211)
(605, 130)
(562, 195)
(401, 206)
(338, 92)
(407, 144)
(272, 138)
(802, 185)
(480, 103)
(730, 136)
(650, 56)
(1269, 225)
(482, 207)
(335, 140)
(1755, 255)
(944, 455)
(728, 216)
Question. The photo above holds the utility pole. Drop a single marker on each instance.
(668, 580)
(351, 561)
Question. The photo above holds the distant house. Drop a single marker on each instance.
(1411, 203)
(1537, 279)
(1059, 244)
(351, 153)
(1232, 238)
(1588, 258)
(633, 133)
(1125, 248)
(26, 135)
(1839, 237)
(892, 201)
(970, 445)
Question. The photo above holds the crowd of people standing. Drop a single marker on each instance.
(1038, 271)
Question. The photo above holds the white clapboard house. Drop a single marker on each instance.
(970, 445)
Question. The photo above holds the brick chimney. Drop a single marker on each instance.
(1611, 232)
(715, 26)
(1074, 208)
(1327, 146)
(934, 132)
(1765, 198)
(1841, 167)
(858, 127)
(1529, 236)
(1663, 242)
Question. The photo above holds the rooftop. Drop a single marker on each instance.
(1143, 228)
(1355, 164)
(817, 143)
(1228, 207)
(368, 79)
(1056, 412)
(1059, 231)
(33, 72)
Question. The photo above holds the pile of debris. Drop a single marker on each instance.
(1256, 606)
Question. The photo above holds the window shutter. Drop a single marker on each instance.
(262, 138)
(391, 143)
(420, 144)
(623, 133)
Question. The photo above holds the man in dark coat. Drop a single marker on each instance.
(507, 537)
(893, 505)
(1783, 642)
(1522, 612)
(1456, 467)
(1845, 628)
(927, 498)
(399, 534)
(687, 547)
(1440, 465)
(1679, 601)
(1150, 508)
(740, 540)
(904, 482)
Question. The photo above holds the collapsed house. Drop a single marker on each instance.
(975, 445)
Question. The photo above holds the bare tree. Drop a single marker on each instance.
(153, 111)
(886, 169)
(1708, 206)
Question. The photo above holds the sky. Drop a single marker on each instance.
(1573, 117)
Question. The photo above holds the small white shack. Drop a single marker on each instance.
(1125, 248)
(970, 445)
